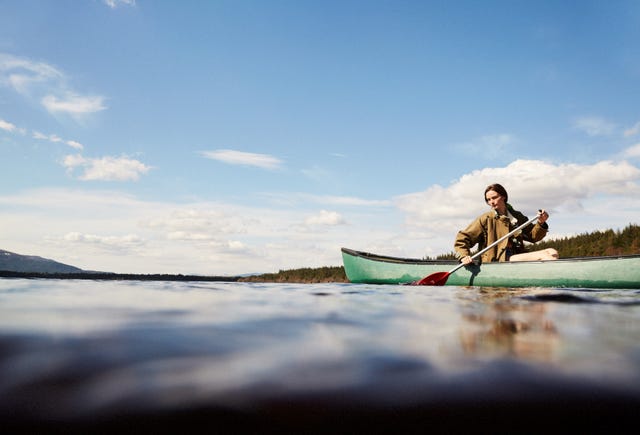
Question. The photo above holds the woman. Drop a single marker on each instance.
(498, 222)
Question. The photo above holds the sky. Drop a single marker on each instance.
(250, 136)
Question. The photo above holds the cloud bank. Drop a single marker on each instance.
(531, 184)
(103, 230)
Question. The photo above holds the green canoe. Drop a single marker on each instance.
(583, 272)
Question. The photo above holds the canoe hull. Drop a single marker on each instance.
(584, 272)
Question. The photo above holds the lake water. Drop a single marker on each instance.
(118, 355)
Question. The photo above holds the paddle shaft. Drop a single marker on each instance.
(495, 243)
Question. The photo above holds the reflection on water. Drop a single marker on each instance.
(499, 324)
(77, 350)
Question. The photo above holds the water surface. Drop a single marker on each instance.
(113, 354)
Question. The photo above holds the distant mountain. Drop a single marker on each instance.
(13, 262)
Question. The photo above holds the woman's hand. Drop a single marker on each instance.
(466, 260)
(542, 216)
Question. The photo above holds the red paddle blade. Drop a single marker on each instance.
(438, 278)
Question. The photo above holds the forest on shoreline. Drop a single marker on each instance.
(594, 244)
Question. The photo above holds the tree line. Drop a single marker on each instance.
(304, 275)
(597, 243)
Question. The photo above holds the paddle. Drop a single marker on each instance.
(440, 278)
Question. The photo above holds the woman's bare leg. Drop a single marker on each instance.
(542, 255)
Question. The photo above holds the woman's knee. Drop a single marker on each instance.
(552, 253)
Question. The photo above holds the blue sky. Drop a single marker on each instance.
(225, 137)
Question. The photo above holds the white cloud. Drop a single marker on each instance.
(73, 104)
(233, 157)
(230, 247)
(106, 168)
(200, 223)
(51, 137)
(11, 128)
(632, 152)
(184, 235)
(115, 3)
(57, 139)
(594, 126)
(74, 144)
(325, 218)
(23, 74)
(107, 242)
(47, 84)
(7, 126)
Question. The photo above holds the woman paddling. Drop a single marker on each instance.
(499, 221)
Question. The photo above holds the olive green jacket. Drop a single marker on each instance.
(488, 228)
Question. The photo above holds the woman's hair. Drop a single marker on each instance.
(498, 189)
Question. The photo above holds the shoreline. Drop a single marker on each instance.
(106, 276)
(298, 276)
